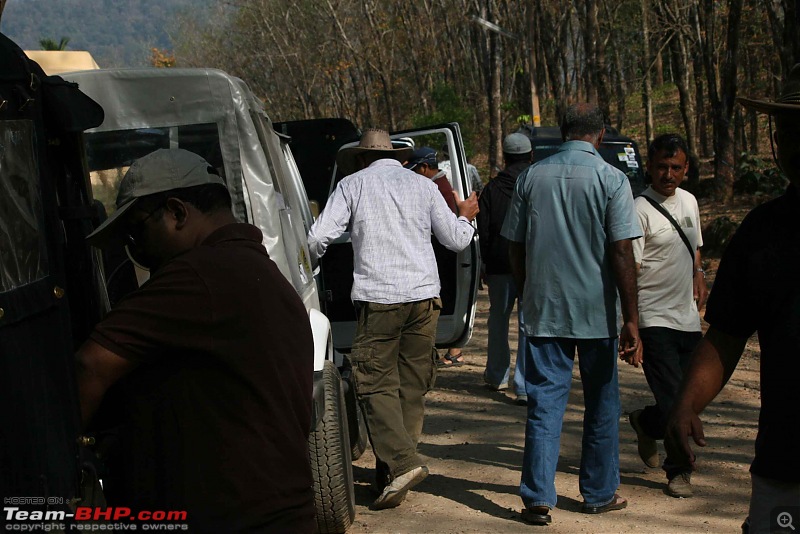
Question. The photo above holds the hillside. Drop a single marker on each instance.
(118, 34)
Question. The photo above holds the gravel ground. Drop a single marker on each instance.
(473, 439)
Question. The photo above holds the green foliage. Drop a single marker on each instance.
(447, 107)
(522, 120)
(50, 44)
(757, 176)
(716, 236)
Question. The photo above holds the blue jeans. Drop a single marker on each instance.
(502, 295)
(548, 376)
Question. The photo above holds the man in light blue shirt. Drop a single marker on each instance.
(390, 213)
(570, 227)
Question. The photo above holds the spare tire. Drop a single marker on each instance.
(329, 452)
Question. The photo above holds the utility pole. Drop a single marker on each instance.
(492, 27)
(535, 118)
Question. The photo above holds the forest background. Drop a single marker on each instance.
(652, 65)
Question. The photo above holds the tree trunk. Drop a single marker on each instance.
(784, 17)
(749, 119)
(659, 66)
(722, 97)
(681, 75)
(495, 101)
(698, 66)
(647, 87)
(596, 58)
(620, 89)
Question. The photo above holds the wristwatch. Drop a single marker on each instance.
(700, 270)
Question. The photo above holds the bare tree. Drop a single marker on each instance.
(647, 85)
(722, 89)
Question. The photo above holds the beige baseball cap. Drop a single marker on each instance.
(157, 172)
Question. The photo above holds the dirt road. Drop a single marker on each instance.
(474, 438)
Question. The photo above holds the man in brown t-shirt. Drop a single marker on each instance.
(211, 360)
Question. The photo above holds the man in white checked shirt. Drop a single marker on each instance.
(390, 213)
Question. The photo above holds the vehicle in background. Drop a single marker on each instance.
(59, 61)
(620, 151)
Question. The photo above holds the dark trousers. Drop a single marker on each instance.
(665, 359)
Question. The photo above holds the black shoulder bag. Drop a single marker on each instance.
(677, 226)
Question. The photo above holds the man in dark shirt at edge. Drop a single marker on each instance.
(212, 359)
(757, 289)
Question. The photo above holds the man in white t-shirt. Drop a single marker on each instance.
(672, 287)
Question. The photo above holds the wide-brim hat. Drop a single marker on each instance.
(158, 172)
(373, 141)
(788, 102)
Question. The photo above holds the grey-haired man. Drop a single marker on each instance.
(570, 226)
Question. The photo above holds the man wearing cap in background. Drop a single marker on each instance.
(390, 213)
(424, 161)
(211, 360)
(493, 204)
(756, 290)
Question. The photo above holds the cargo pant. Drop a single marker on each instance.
(393, 369)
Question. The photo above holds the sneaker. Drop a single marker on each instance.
(680, 486)
(395, 492)
(522, 399)
(382, 478)
(648, 448)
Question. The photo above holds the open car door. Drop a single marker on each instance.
(315, 144)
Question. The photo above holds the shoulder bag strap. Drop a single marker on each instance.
(666, 214)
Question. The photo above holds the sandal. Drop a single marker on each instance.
(618, 503)
(450, 361)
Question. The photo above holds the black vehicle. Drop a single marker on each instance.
(49, 279)
(620, 151)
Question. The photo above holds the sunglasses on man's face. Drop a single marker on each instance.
(133, 236)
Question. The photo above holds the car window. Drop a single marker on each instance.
(23, 253)
(435, 139)
(109, 154)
